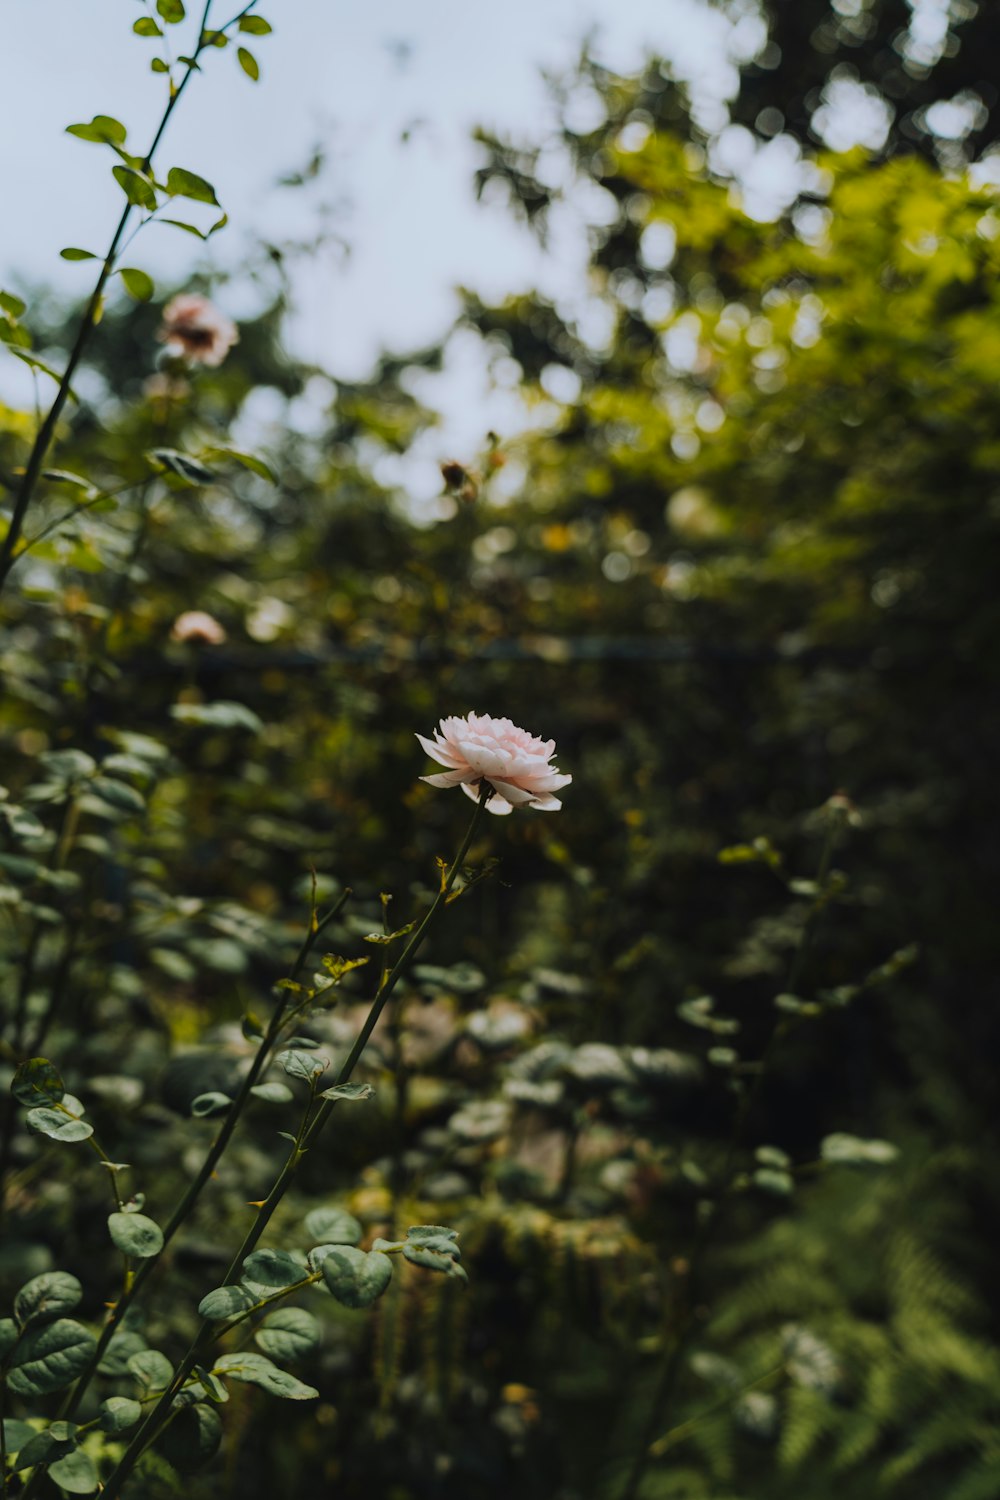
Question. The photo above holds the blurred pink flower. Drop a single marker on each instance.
(196, 625)
(195, 329)
(514, 763)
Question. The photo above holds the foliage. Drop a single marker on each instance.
(707, 1123)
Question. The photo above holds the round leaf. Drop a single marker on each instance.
(357, 1278)
(75, 1473)
(152, 1369)
(50, 1357)
(333, 1226)
(287, 1333)
(226, 1302)
(119, 1413)
(269, 1271)
(135, 1234)
(47, 1296)
(57, 1126)
(36, 1081)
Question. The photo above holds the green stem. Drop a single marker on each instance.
(209, 1164)
(45, 434)
(161, 1412)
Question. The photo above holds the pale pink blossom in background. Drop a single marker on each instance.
(516, 764)
(196, 625)
(196, 330)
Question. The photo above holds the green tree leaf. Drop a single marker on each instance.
(184, 184)
(135, 1234)
(349, 1091)
(333, 1226)
(137, 283)
(268, 1271)
(119, 1413)
(248, 63)
(192, 1438)
(35, 1080)
(46, 1296)
(172, 11)
(255, 1369)
(357, 1278)
(75, 1473)
(288, 1332)
(146, 26)
(227, 1302)
(57, 1126)
(152, 1370)
(137, 188)
(50, 1357)
(58, 1439)
(255, 25)
(300, 1064)
(103, 129)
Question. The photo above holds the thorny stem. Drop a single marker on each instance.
(210, 1162)
(709, 1224)
(163, 1409)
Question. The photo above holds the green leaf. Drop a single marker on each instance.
(50, 1357)
(159, 65)
(72, 252)
(248, 63)
(151, 1369)
(102, 128)
(15, 1435)
(172, 11)
(349, 1091)
(36, 1080)
(844, 1150)
(771, 1180)
(58, 1439)
(221, 715)
(137, 188)
(75, 1473)
(14, 307)
(333, 1226)
(190, 228)
(228, 1302)
(272, 1093)
(433, 1247)
(212, 1103)
(185, 468)
(137, 283)
(46, 1296)
(357, 1278)
(146, 26)
(300, 1064)
(119, 1413)
(245, 460)
(287, 1333)
(135, 1234)
(184, 184)
(118, 794)
(57, 1126)
(255, 25)
(124, 1344)
(192, 1438)
(268, 1271)
(256, 1370)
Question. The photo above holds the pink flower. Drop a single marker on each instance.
(196, 330)
(196, 625)
(514, 763)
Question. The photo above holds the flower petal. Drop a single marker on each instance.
(447, 778)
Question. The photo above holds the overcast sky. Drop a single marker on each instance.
(356, 77)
